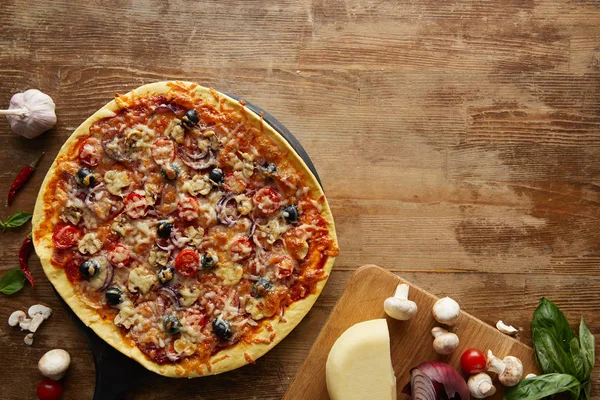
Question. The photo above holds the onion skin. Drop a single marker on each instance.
(445, 381)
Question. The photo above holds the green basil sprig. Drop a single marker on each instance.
(566, 359)
(12, 281)
(17, 219)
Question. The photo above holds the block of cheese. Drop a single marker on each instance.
(359, 366)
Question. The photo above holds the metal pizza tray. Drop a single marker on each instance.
(117, 373)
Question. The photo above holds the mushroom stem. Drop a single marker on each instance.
(402, 292)
(494, 364)
(15, 111)
(438, 331)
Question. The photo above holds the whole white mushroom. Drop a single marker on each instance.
(54, 364)
(446, 311)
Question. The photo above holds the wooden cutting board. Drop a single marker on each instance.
(411, 341)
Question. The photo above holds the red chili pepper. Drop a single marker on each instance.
(24, 253)
(21, 178)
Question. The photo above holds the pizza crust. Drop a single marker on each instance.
(227, 359)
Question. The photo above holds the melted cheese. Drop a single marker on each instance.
(89, 244)
(141, 279)
(116, 181)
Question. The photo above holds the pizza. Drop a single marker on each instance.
(184, 230)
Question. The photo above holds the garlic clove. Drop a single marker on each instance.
(30, 113)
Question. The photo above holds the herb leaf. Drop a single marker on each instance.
(12, 281)
(548, 316)
(585, 391)
(17, 219)
(579, 365)
(588, 352)
(550, 355)
(544, 385)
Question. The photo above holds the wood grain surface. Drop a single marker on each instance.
(410, 341)
(458, 142)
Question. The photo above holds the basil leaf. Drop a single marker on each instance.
(17, 219)
(543, 385)
(12, 281)
(585, 391)
(548, 316)
(587, 343)
(579, 365)
(550, 355)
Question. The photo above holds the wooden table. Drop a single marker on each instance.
(458, 143)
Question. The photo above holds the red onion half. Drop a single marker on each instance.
(433, 380)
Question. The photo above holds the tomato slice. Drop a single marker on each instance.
(163, 151)
(135, 205)
(187, 262)
(119, 256)
(65, 236)
(240, 248)
(267, 200)
(188, 209)
(49, 389)
(90, 152)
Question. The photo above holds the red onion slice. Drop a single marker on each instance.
(171, 293)
(164, 244)
(209, 159)
(110, 273)
(164, 108)
(195, 157)
(222, 210)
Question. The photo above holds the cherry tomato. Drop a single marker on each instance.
(65, 236)
(188, 209)
(135, 205)
(472, 361)
(90, 152)
(119, 256)
(267, 200)
(240, 248)
(49, 389)
(163, 151)
(187, 262)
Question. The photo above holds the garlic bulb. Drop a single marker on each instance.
(30, 113)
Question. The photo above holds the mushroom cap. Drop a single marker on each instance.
(445, 343)
(54, 364)
(400, 309)
(16, 317)
(446, 311)
(513, 372)
(480, 385)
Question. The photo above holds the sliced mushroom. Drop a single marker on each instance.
(28, 339)
(16, 318)
(35, 309)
